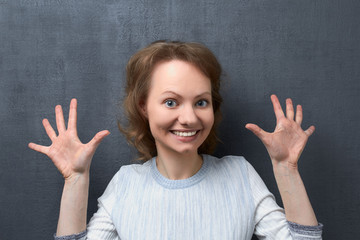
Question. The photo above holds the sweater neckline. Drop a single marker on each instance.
(181, 183)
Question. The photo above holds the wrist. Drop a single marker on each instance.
(77, 178)
(285, 168)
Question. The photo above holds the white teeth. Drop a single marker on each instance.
(184, 134)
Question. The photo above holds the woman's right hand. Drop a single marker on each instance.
(67, 152)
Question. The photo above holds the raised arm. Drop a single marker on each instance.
(285, 146)
(72, 158)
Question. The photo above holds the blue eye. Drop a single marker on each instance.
(170, 103)
(202, 103)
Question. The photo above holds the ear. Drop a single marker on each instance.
(142, 106)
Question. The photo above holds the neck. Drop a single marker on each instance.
(178, 166)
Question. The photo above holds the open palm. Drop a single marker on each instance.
(67, 152)
(288, 140)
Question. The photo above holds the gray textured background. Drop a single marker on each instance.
(51, 51)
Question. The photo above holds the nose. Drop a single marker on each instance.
(187, 115)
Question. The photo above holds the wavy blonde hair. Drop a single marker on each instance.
(138, 77)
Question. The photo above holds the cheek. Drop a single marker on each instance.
(160, 123)
(159, 120)
(208, 119)
(211, 120)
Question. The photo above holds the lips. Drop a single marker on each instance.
(185, 133)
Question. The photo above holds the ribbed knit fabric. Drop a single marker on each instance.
(225, 199)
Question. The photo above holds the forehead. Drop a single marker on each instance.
(179, 75)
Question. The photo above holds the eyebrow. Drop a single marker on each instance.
(174, 93)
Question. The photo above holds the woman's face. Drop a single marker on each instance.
(179, 107)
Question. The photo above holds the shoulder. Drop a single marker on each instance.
(125, 180)
(231, 167)
(232, 172)
(230, 162)
(132, 172)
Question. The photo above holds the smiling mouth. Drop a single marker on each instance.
(184, 134)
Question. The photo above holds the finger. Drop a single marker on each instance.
(39, 148)
(49, 130)
(310, 131)
(289, 109)
(98, 138)
(60, 123)
(277, 107)
(256, 130)
(299, 115)
(72, 115)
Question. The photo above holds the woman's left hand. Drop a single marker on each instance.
(288, 140)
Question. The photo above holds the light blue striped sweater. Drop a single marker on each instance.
(225, 199)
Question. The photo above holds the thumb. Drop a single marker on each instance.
(98, 138)
(256, 130)
(310, 131)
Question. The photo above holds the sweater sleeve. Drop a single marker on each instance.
(269, 219)
(101, 225)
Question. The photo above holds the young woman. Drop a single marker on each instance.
(180, 191)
